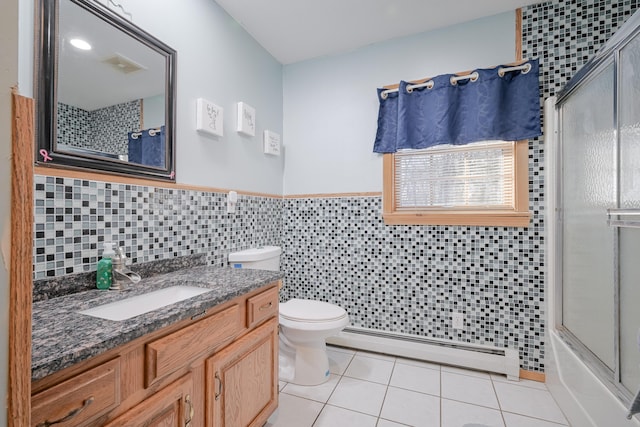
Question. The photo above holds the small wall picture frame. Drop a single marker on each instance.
(246, 119)
(271, 143)
(209, 117)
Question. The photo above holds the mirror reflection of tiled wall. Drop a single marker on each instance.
(104, 129)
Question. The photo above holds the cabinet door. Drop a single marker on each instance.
(170, 407)
(242, 380)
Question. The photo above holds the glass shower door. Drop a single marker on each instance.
(629, 236)
(589, 188)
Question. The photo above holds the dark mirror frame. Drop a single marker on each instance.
(46, 66)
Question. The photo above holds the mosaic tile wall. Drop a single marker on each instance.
(411, 278)
(73, 217)
(73, 125)
(104, 129)
(110, 126)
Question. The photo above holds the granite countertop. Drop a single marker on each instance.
(61, 337)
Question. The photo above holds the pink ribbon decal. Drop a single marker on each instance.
(45, 155)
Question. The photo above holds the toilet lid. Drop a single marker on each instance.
(303, 310)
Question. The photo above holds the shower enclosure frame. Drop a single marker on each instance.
(609, 55)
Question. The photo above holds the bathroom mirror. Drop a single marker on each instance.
(105, 92)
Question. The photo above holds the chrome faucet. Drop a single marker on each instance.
(121, 273)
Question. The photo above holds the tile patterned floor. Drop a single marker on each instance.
(373, 390)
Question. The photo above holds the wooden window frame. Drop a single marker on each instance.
(519, 216)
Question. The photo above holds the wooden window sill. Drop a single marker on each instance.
(467, 218)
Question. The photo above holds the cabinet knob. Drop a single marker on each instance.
(73, 413)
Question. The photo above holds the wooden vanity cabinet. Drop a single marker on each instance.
(217, 370)
(242, 380)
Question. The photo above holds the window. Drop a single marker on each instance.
(484, 183)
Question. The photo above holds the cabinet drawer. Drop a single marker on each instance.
(80, 399)
(262, 306)
(167, 354)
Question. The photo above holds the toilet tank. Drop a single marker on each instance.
(263, 258)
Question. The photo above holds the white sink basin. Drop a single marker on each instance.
(140, 304)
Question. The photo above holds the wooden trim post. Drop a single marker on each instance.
(21, 264)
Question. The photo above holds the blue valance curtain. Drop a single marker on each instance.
(501, 103)
(147, 147)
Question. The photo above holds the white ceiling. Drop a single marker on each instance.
(85, 80)
(296, 30)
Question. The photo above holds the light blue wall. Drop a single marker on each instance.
(218, 61)
(8, 78)
(153, 112)
(331, 108)
(221, 62)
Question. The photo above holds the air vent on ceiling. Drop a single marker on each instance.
(124, 64)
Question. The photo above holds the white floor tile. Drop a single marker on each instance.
(386, 423)
(458, 414)
(333, 416)
(294, 412)
(469, 398)
(338, 361)
(514, 420)
(523, 383)
(358, 395)
(412, 408)
(369, 369)
(463, 371)
(420, 363)
(423, 380)
(319, 393)
(463, 388)
(528, 401)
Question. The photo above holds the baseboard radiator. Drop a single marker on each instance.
(466, 355)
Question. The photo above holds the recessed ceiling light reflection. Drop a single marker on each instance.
(80, 44)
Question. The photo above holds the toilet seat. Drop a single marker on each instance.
(310, 311)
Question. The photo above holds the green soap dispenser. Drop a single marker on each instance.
(104, 270)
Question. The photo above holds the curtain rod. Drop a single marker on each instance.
(455, 79)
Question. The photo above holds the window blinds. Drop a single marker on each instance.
(476, 176)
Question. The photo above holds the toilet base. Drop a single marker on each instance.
(303, 364)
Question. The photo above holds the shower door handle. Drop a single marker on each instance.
(629, 218)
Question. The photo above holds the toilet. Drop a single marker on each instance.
(304, 324)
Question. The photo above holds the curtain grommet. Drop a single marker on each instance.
(473, 77)
(524, 69)
(429, 85)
